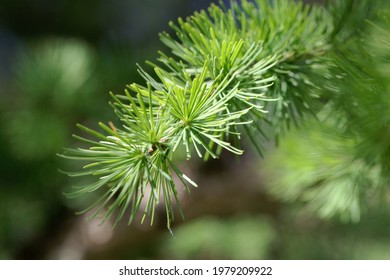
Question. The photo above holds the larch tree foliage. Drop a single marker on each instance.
(313, 79)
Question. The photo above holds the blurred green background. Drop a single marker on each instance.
(58, 61)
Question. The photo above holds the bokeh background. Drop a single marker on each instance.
(58, 62)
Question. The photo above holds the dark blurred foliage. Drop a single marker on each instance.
(58, 61)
